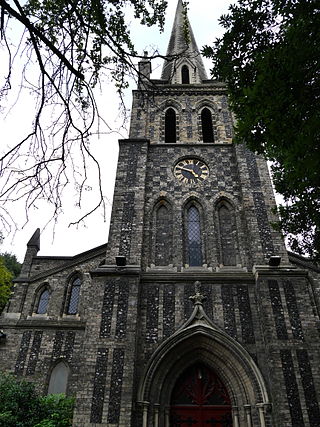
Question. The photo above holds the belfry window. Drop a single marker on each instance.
(170, 126)
(185, 77)
(43, 302)
(163, 237)
(74, 296)
(194, 237)
(206, 123)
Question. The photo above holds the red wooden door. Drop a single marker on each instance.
(200, 399)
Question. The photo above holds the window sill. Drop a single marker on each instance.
(202, 268)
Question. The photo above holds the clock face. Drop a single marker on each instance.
(190, 171)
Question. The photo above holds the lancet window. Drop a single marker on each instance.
(74, 296)
(170, 126)
(163, 240)
(206, 124)
(59, 379)
(227, 232)
(43, 302)
(185, 77)
(193, 238)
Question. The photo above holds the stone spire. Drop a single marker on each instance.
(183, 46)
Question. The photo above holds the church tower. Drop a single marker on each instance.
(193, 313)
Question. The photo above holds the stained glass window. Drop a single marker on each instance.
(43, 302)
(194, 237)
(207, 129)
(74, 296)
(170, 126)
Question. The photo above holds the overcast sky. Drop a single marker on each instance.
(59, 239)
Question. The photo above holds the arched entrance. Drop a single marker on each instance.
(224, 366)
(200, 399)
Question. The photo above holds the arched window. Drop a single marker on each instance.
(163, 243)
(194, 237)
(170, 126)
(206, 123)
(227, 235)
(59, 379)
(74, 296)
(43, 302)
(185, 78)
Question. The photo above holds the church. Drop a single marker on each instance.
(194, 313)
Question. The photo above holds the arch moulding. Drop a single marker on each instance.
(200, 341)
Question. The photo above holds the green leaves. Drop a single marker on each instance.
(270, 57)
(5, 284)
(21, 406)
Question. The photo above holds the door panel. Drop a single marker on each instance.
(200, 399)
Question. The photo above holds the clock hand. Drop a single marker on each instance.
(189, 170)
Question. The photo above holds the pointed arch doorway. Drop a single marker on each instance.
(200, 399)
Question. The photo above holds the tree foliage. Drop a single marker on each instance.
(270, 56)
(11, 263)
(21, 405)
(67, 48)
(5, 284)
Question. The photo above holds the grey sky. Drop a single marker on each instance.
(59, 239)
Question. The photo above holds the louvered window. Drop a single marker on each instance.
(185, 78)
(207, 128)
(170, 126)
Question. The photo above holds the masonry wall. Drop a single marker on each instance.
(272, 317)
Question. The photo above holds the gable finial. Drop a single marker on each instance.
(198, 298)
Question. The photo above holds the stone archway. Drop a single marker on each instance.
(200, 341)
